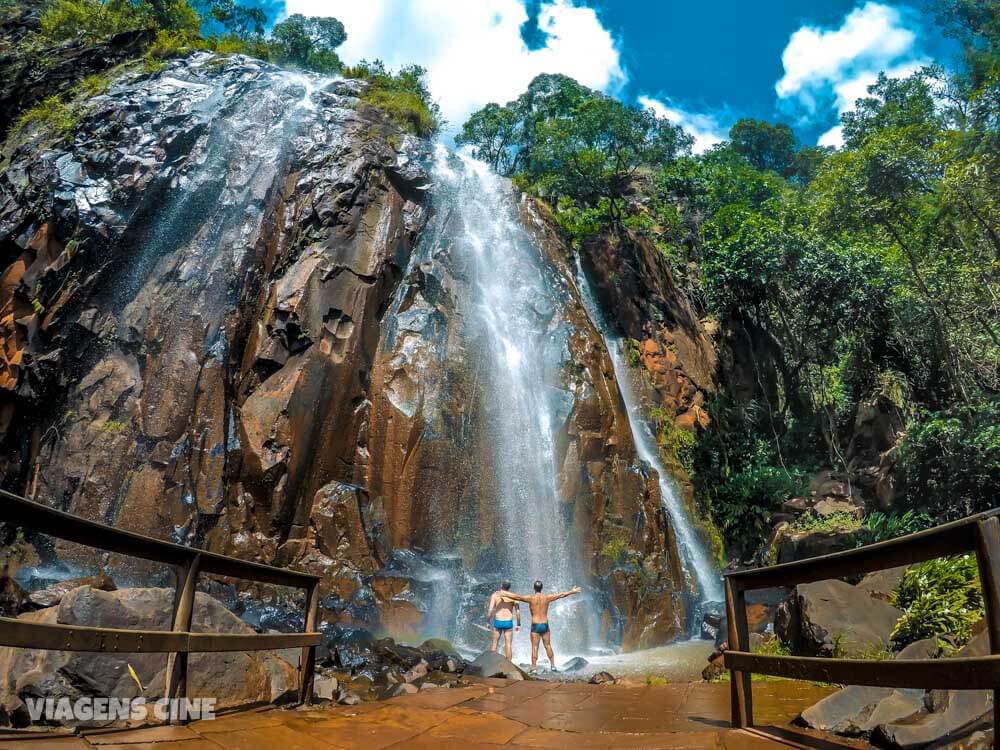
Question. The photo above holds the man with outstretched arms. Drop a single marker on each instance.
(540, 630)
(500, 612)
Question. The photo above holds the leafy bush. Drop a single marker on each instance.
(403, 96)
(950, 460)
(830, 522)
(169, 44)
(743, 498)
(938, 597)
(881, 526)
(94, 19)
(52, 115)
(614, 550)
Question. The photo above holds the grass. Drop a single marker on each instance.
(402, 96)
(51, 115)
(405, 109)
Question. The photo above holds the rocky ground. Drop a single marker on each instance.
(838, 619)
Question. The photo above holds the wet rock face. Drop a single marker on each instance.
(264, 675)
(215, 334)
(192, 275)
(29, 74)
(634, 282)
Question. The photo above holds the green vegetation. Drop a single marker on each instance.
(878, 527)
(861, 276)
(52, 115)
(614, 550)
(403, 96)
(575, 147)
(882, 527)
(939, 597)
(307, 43)
(181, 26)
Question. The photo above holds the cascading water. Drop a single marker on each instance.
(511, 328)
(697, 562)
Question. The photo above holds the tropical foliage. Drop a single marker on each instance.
(839, 277)
(938, 597)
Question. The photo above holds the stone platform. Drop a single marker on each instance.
(491, 713)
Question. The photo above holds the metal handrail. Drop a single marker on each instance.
(188, 564)
(979, 533)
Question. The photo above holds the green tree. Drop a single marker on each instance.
(493, 133)
(767, 146)
(308, 42)
(243, 21)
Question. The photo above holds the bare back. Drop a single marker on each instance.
(539, 606)
(502, 610)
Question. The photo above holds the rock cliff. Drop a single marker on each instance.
(218, 329)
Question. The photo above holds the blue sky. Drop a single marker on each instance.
(702, 63)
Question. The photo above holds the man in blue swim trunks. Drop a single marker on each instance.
(501, 614)
(540, 632)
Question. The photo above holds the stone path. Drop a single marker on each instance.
(491, 713)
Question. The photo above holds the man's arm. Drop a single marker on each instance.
(564, 594)
(517, 613)
(490, 607)
(509, 597)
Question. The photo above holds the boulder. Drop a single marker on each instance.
(440, 645)
(263, 676)
(325, 688)
(951, 714)
(602, 678)
(416, 672)
(713, 614)
(575, 664)
(13, 599)
(492, 664)
(857, 710)
(830, 618)
(882, 583)
(53, 594)
(798, 544)
(909, 718)
(348, 698)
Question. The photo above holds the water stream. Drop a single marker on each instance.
(697, 561)
(512, 328)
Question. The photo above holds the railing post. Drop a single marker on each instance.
(177, 662)
(988, 559)
(739, 640)
(307, 662)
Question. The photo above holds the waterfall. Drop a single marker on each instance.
(697, 561)
(512, 330)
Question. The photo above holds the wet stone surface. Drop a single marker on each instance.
(494, 713)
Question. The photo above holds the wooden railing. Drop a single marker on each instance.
(188, 563)
(979, 534)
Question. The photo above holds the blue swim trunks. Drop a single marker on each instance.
(540, 627)
(503, 624)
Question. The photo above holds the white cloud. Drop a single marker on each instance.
(840, 64)
(705, 129)
(472, 49)
(851, 89)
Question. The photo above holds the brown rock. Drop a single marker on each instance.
(263, 675)
(52, 595)
(835, 618)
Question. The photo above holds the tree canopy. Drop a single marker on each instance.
(845, 277)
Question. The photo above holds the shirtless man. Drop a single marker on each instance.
(500, 614)
(539, 605)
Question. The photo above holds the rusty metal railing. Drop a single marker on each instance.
(188, 564)
(979, 534)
